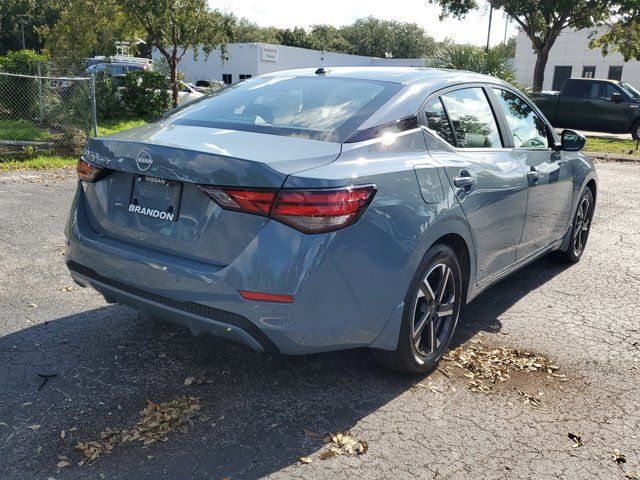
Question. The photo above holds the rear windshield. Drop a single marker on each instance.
(320, 108)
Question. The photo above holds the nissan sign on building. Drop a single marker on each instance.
(269, 53)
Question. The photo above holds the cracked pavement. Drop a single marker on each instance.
(109, 361)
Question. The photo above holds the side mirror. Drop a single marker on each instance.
(616, 97)
(572, 141)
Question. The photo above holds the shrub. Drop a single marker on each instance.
(496, 61)
(146, 93)
(19, 95)
(24, 62)
(108, 102)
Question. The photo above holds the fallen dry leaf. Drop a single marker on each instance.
(63, 434)
(33, 305)
(632, 475)
(484, 365)
(62, 464)
(618, 456)
(344, 443)
(331, 453)
(305, 460)
(35, 426)
(68, 288)
(577, 439)
(311, 433)
(363, 446)
(189, 381)
(157, 420)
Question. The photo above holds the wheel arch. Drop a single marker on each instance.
(453, 232)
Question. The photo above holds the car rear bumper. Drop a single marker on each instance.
(200, 319)
(345, 286)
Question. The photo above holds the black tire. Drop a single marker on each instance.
(422, 358)
(635, 130)
(580, 226)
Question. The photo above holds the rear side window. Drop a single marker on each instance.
(438, 121)
(321, 108)
(527, 128)
(472, 118)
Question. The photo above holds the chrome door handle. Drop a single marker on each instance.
(465, 181)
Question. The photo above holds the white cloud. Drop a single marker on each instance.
(288, 14)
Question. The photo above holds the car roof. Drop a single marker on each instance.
(404, 75)
(418, 83)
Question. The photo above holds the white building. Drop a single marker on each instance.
(571, 57)
(245, 60)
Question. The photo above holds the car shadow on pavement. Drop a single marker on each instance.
(109, 361)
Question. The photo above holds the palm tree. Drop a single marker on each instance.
(497, 61)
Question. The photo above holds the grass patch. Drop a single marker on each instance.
(23, 130)
(39, 162)
(115, 125)
(611, 146)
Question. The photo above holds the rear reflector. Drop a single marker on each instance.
(310, 211)
(266, 297)
(87, 171)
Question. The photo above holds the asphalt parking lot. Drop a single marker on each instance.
(108, 362)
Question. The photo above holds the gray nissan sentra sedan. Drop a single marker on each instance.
(315, 210)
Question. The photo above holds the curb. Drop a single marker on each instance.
(613, 157)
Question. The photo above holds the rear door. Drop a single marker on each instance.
(549, 177)
(490, 185)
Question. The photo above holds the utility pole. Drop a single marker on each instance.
(506, 26)
(489, 29)
(22, 18)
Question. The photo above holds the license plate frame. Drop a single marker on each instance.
(155, 197)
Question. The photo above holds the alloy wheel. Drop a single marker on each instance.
(434, 309)
(581, 225)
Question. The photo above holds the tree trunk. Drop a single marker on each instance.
(173, 65)
(538, 72)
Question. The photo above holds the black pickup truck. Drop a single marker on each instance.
(593, 104)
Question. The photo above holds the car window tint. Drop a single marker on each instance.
(116, 70)
(527, 128)
(472, 118)
(579, 88)
(438, 121)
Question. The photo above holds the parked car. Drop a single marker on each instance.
(593, 104)
(188, 93)
(315, 210)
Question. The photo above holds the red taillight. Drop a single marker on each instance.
(310, 211)
(266, 297)
(315, 211)
(243, 200)
(87, 171)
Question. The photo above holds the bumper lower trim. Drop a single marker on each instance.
(188, 307)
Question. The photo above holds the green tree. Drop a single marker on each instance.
(623, 32)
(174, 26)
(541, 20)
(246, 31)
(86, 28)
(35, 14)
(387, 38)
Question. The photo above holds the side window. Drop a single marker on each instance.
(472, 118)
(438, 121)
(527, 128)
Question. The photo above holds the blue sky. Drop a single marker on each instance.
(287, 13)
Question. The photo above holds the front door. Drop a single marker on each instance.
(490, 185)
(549, 177)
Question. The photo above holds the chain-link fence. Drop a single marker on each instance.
(40, 112)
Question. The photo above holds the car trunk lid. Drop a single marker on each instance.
(151, 198)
